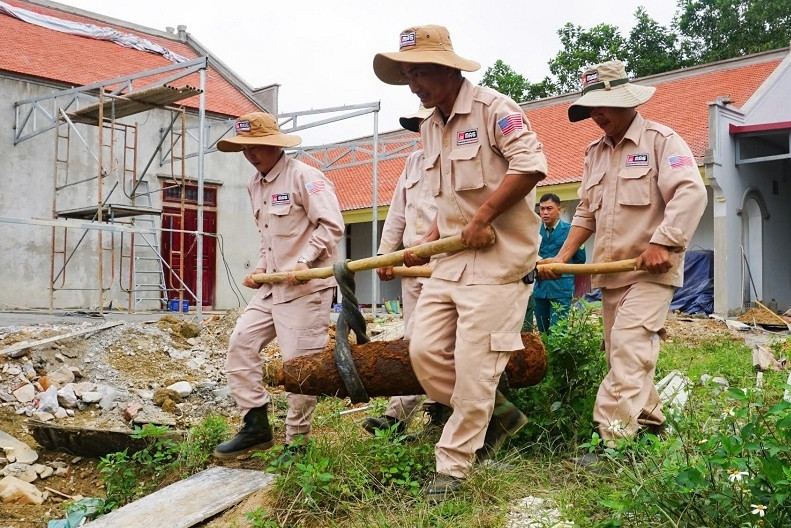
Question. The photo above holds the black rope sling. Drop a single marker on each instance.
(349, 318)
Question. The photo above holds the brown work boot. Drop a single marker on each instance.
(595, 463)
(441, 487)
(255, 435)
(506, 421)
(383, 423)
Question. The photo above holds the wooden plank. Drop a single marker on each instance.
(16, 347)
(188, 502)
(774, 315)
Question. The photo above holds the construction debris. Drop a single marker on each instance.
(764, 359)
(24, 345)
(760, 316)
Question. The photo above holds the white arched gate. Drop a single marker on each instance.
(753, 214)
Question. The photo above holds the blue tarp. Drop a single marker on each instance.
(696, 296)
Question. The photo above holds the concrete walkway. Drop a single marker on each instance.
(43, 317)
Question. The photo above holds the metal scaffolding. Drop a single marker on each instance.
(122, 213)
(122, 194)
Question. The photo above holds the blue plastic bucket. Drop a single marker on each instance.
(173, 305)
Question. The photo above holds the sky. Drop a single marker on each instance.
(320, 51)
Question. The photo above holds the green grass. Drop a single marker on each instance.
(720, 357)
(348, 478)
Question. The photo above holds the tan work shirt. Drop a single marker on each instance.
(412, 209)
(298, 215)
(646, 189)
(486, 137)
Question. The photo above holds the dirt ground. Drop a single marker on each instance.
(140, 356)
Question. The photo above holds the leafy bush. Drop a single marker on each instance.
(728, 464)
(128, 477)
(194, 453)
(393, 463)
(259, 518)
(559, 409)
(781, 347)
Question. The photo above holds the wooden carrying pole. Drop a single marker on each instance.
(617, 266)
(443, 245)
(557, 267)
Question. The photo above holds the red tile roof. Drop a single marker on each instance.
(35, 51)
(680, 102)
(354, 183)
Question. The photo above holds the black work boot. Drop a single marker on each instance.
(506, 421)
(383, 423)
(255, 435)
(438, 415)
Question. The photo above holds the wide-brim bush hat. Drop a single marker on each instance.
(257, 128)
(606, 84)
(421, 44)
(412, 122)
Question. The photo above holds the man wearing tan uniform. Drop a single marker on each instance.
(643, 195)
(482, 161)
(299, 218)
(412, 211)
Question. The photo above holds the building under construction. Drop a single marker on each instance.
(103, 186)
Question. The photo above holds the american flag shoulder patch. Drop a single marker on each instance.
(510, 123)
(316, 186)
(677, 161)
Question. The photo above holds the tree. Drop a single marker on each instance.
(652, 48)
(702, 31)
(583, 48)
(504, 79)
(721, 29)
(545, 88)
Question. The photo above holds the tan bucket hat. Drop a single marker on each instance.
(606, 84)
(257, 128)
(412, 121)
(421, 44)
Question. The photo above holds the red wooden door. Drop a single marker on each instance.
(179, 249)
